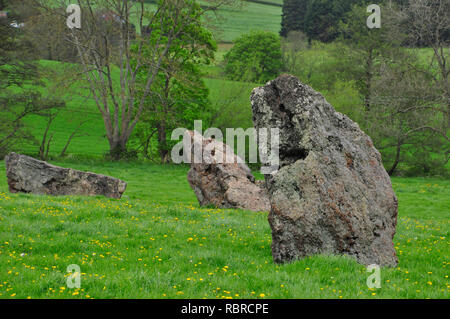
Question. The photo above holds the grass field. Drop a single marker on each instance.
(157, 243)
(229, 22)
(250, 16)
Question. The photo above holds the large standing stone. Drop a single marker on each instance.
(221, 181)
(331, 194)
(28, 175)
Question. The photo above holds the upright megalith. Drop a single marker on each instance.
(331, 194)
(28, 175)
(220, 178)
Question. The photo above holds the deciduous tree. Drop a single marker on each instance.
(104, 44)
(179, 95)
(255, 57)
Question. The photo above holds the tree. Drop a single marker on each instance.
(255, 57)
(179, 95)
(20, 82)
(428, 23)
(293, 16)
(318, 19)
(49, 35)
(292, 48)
(424, 86)
(104, 44)
(402, 96)
(363, 49)
(396, 128)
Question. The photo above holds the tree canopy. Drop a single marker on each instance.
(255, 57)
(318, 19)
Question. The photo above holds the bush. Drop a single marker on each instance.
(255, 57)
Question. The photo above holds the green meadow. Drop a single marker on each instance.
(156, 242)
(250, 16)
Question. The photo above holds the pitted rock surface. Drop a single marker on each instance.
(331, 194)
(28, 175)
(221, 181)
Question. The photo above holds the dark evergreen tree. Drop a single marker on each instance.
(323, 17)
(318, 19)
(293, 17)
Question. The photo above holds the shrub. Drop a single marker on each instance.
(255, 57)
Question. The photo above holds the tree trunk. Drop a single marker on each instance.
(49, 48)
(146, 147)
(368, 81)
(63, 152)
(48, 147)
(397, 158)
(162, 143)
(42, 154)
(117, 149)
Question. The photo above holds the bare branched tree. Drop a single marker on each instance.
(426, 23)
(411, 91)
(108, 45)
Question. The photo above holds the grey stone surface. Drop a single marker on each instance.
(28, 175)
(331, 194)
(223, 183)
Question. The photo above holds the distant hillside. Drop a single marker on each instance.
(253, 15)
(230, 23)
